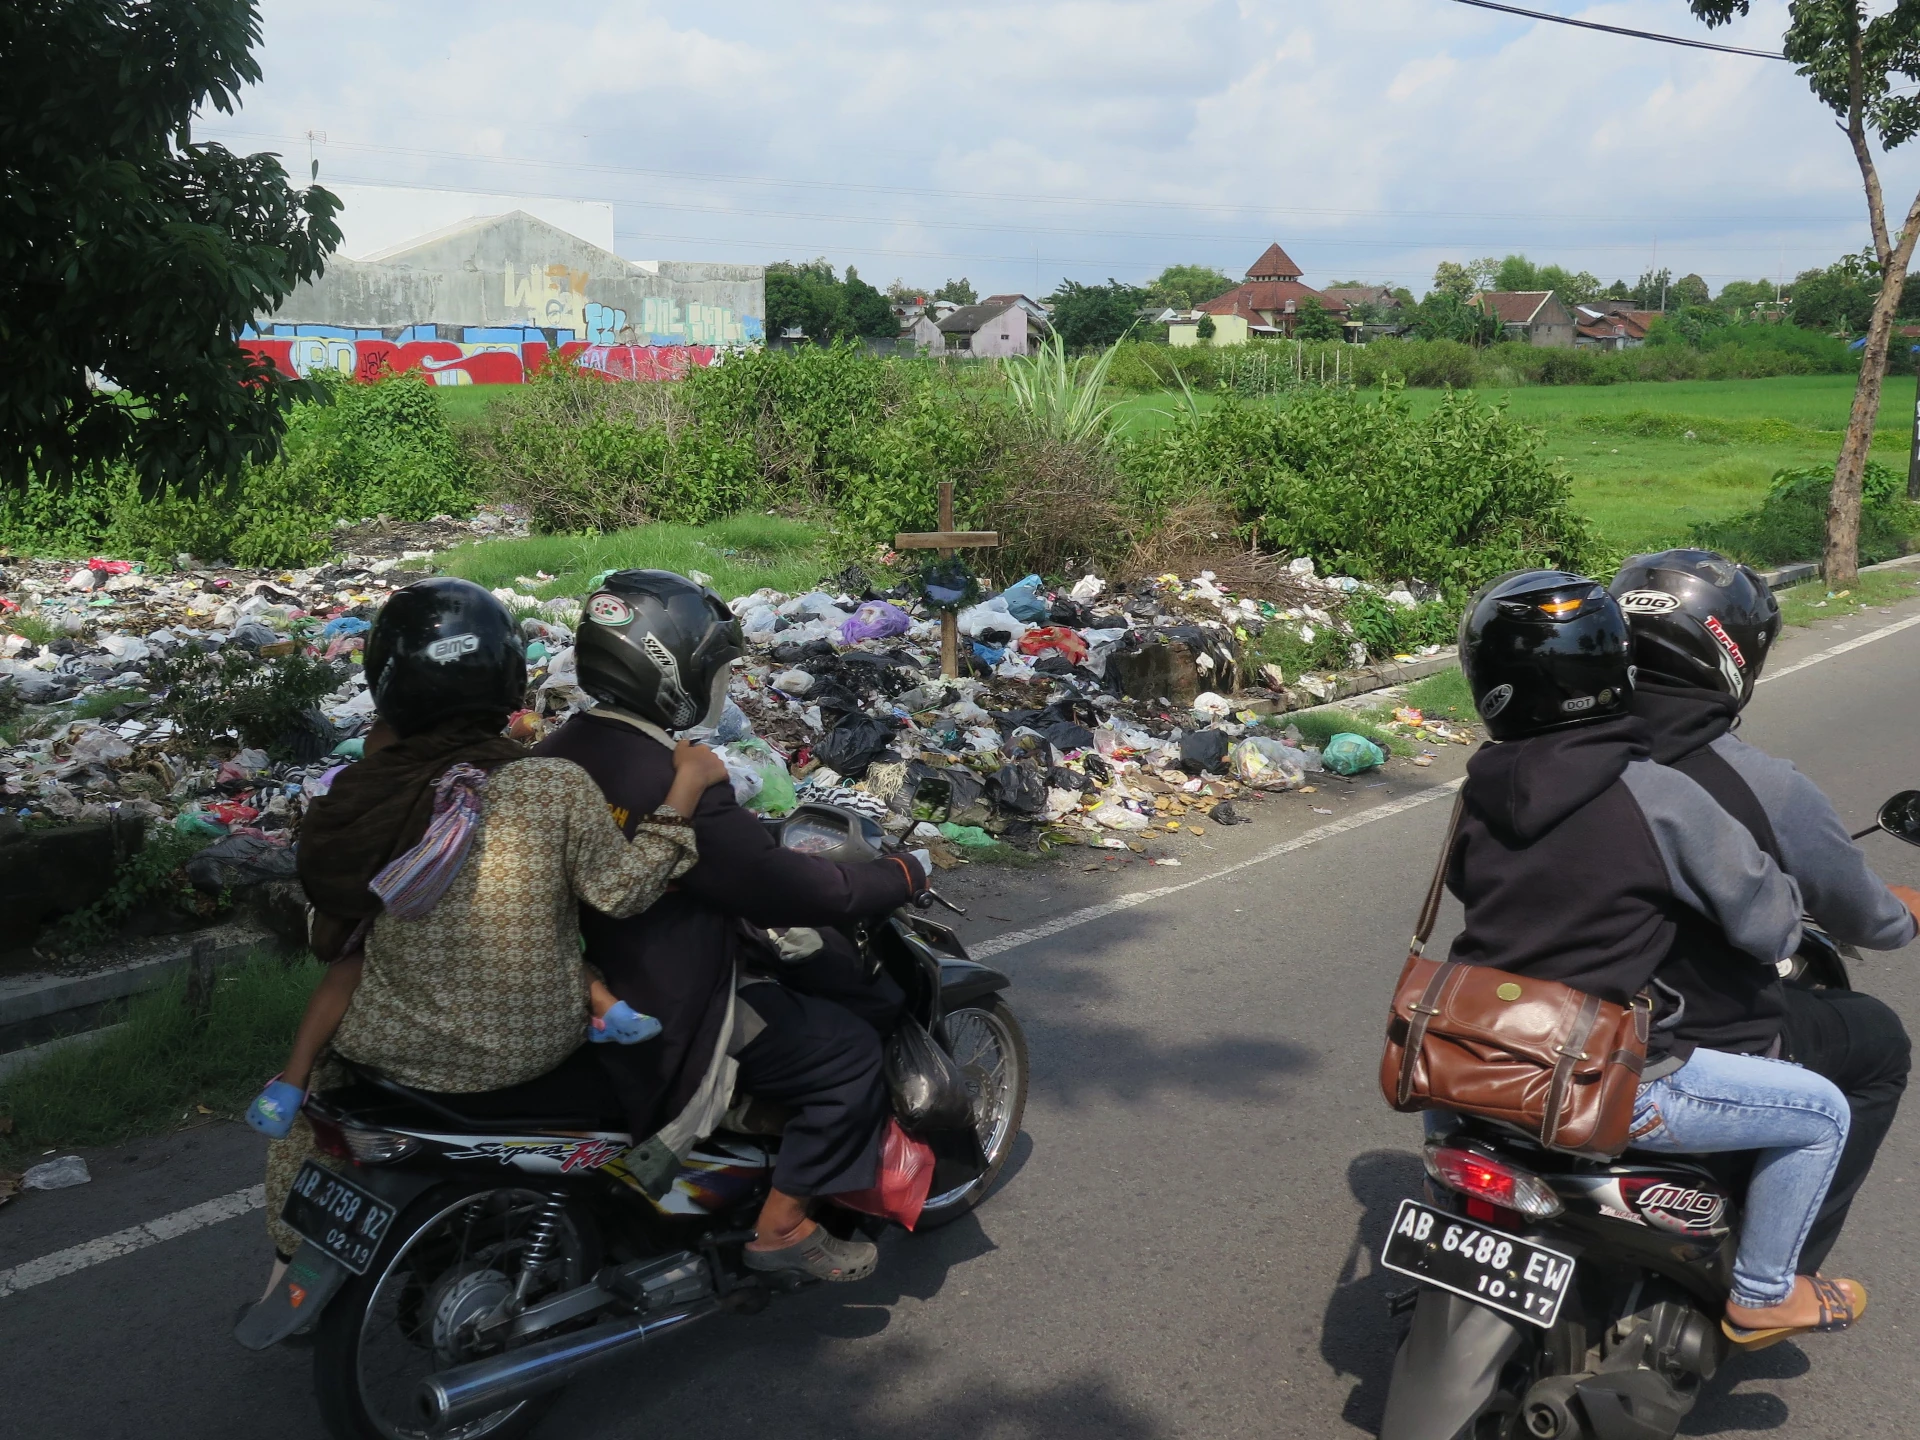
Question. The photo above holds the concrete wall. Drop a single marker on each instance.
(1227, 330)
(1004, 336)
(487, 301)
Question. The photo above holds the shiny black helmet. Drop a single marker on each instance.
(441, 649)
(659, 646)
(1698, 619)
(1544, 649)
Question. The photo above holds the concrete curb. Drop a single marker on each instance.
(13, 1060)
(1786, 575)
(1363, 681)
(36, 1008)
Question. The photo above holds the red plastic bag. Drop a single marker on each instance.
(110, 567)
(1055, 637)
(899, 1191)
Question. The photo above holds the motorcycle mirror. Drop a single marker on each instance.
(1900, 816)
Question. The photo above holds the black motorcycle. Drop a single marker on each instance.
(1569, 1299)
(458, 1271)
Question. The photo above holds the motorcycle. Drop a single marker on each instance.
(457, 1272)
(1570, 1299)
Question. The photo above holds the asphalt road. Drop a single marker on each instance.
(1185, 1243)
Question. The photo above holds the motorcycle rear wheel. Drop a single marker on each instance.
(986, 1041)
(445, 1258)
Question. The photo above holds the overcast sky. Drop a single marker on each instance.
(1019, 141)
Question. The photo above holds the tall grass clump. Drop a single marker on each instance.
(1789, 526)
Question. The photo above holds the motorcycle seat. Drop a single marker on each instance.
(576, 1095)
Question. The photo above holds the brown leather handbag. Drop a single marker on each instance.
(1560, 1064)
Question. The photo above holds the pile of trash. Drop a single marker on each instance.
(1085, 715)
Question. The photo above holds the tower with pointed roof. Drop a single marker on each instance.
(1271, 298)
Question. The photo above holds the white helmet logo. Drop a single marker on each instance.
(1494, 701)
(1577, 704)
(452, 647)
(1649, 602)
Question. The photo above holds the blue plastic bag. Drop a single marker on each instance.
(1024, 602)
(1349, 754)
(344, 625)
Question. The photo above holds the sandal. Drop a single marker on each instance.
(819, 1254)
(1841, 1303)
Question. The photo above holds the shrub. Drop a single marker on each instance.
(1790, 525)
(1453, 498)
(264, 703)
(363, 450)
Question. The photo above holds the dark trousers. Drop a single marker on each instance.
(823, 1063)
(1859, 1044)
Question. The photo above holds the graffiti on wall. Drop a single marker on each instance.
(483, 355)
(554, 297)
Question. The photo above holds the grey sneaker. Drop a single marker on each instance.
(822, 1255)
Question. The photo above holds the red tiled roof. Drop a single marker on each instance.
(1260, 295)
(1273, 265)
(1513, 307)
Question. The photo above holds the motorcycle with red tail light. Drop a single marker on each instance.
(1561, 1298)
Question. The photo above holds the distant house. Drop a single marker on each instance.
(1269, 303)
(1348, 296)
(921, 332)
(1031, 306)
(1536, 316)
(1611, 328)
(998, 327)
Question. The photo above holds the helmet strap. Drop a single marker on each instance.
(645, 727)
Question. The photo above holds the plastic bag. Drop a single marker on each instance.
(970, 836)
(875, 620)
(1024, 601)
(851, 745)
(1116, 816)
(237, 860)
(900, 1186)
(929, 1092)
(1349, 754)
(1211, 706)
(61, 1174)
(1204, 750)
(1266, 764)
(1058, 638)
(1066, 736)
(773, 794)
(1019, 786)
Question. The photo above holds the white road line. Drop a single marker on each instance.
(125, 1242)
(1013, 939)
(1872, 635)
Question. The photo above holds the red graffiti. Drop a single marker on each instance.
(638, 362)
(369, 360)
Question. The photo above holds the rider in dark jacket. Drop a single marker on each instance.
(654, 649)
(1702, 629)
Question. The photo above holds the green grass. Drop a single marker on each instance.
(31, 626)
(1812, 602)
(1445, 696)
(152, 1073)
(741, 554)
(1319, 726)
(105, 703)
(464, 403)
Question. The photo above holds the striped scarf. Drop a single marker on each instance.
(413, 883)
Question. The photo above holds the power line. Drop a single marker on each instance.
(1622, 30)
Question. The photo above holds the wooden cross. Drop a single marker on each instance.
(947, 540)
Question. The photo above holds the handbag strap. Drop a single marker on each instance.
(1430, 907)
(1570, 1050)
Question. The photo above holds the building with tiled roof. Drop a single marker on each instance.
(1611, 328)
(1536, 316)
(1271, 299)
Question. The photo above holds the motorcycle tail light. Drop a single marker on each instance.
(378, 1147)
(328, 1137)
(1481, 1177)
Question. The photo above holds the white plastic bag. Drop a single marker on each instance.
(1266, 764)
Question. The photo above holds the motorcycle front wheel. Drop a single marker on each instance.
(986, 1042)
(450, 1258)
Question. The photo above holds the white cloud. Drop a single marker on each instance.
(1371, 137)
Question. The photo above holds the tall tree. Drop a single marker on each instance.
(1094, 314)
(1853, 61)
(1185, 286)
(804, 295)
(960, 292)
(1314, 322)
(132, 254)
(869, 316)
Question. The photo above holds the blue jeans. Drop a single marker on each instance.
(1796, 1119)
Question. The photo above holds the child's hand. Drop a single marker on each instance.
(623, 1025)
(274, 1108)
(695, 763)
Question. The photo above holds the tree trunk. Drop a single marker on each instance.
(1841, 563)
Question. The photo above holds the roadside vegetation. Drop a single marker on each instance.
(161, 1068)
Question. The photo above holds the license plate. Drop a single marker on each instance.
(1501, 1271)
(337, 1215)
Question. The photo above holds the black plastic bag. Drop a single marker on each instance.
(1204, 750)
(1019, 786)
(234, 861)
(1068, 736)
(929, 1092)
(853, 744)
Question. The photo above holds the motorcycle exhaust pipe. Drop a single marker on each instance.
(480, 1387)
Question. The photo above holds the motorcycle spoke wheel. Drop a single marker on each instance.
(413, 1312)
(987, 1044)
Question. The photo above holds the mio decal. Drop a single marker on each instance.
(1684, 1209)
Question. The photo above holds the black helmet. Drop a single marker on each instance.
(1543, 649)
(443, 648)
(1698, 619)
(657, 645)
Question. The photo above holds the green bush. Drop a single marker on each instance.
(366, 450)
(209, 695)
(1790, 525)
(153, 874)
(1366, 487)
